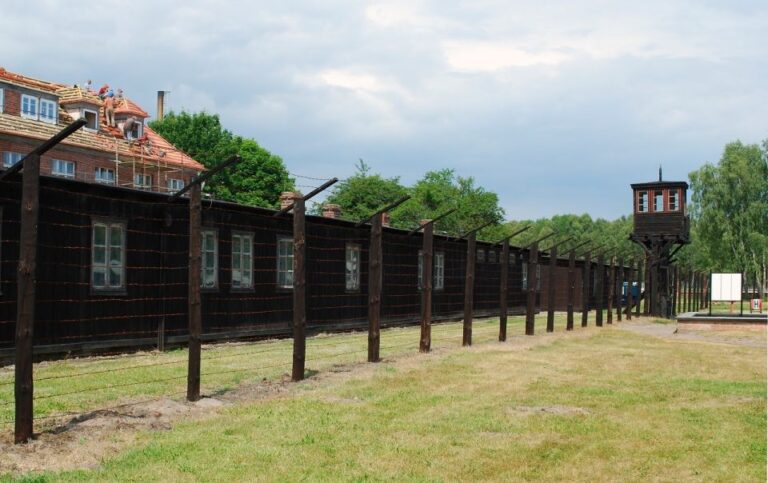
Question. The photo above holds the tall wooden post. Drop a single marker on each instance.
(469, 290)
(503, 290)
(619, 287)
(571, 288)
(426, 291)
(611, 288)
(25, 299)
(675, 291)
(600, 277)
(551, 290)
(586, 288)
(194, 302)
(650, 292)
(299, 291)
(530, 316)
(639, 280)
(630, 297)
(375, 259)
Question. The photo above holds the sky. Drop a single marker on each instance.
(557, 106)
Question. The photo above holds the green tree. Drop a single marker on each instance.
(438, 192)
(364, 193)
(729, 211)
(257, 180)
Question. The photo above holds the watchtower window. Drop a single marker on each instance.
(658, 201)
(642, 202)
(674, 201)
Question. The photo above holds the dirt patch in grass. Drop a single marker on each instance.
(84, 440)
(558, 410)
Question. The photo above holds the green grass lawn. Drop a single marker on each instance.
(108, 381)
(605, 404)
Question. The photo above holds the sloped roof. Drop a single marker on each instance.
(108, 140)
(72, 95)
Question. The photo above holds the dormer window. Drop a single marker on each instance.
(28, 107)
(47, 111)
(91, 119)
(38, 109)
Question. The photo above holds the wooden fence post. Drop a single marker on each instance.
(194, 302)
(675, 291)
(551, 290)
(586, 288)
(530, 317)
(639, 279)
(375, 259)
(426, 290)
(599, 276)
(630, 297)
(469, 290)
(299, 290)
(611, 287)
(503, 291)
(619, 287)
(25, 300)
(571, 288)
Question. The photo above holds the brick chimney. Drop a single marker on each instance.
(385, 219)
(331, 211)
(287, 198)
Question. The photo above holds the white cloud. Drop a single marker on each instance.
(470, 56)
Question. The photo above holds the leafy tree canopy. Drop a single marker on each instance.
(257, 180)
(729, 212)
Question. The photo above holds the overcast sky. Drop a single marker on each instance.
(555, 105)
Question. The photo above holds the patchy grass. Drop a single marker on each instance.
(84, 384)
(606, 405)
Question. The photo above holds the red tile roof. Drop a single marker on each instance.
(153, 148)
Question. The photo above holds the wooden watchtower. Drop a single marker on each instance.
(661, 227)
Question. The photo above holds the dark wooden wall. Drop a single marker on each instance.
(72, 317)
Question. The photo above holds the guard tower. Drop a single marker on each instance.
(661, 227)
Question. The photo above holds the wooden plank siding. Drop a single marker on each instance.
(72, 317)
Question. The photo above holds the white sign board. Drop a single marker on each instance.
(726, 287)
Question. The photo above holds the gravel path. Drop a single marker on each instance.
(747, 336)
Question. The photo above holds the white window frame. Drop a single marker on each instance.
(56, 168)
(95, 116)
(642, 202)
(352, 267)
(107, 264)
(207, 253)
(674, 200)
(656, 195)
(175, 184)
(44, 107)
(438, 269)
(491, 256)
(524, 275)
(2, 99)
(284, 263)
(480, 255)
(8, 158)
(30, 99)
(100, 179)
(242, 260)
(140, 181)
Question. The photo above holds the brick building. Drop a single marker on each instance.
(128, 154)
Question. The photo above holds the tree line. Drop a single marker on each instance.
(728, 204)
